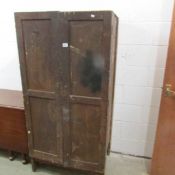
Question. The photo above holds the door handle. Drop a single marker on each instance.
(168, 91)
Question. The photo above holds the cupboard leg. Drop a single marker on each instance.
(96, 174)
(25, 159)
(109, 149)
(12, 155)
(34, 165)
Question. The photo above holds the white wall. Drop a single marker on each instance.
(142, 47)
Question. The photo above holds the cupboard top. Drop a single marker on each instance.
(93, 14)
(11, 98)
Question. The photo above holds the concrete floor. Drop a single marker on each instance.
(116, 165)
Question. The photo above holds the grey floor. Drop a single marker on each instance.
(116, 165)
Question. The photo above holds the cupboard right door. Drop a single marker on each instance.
(85, 61)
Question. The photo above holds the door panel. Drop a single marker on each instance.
(87, 62)
(36, 41)
(44, 120)
(85, 127)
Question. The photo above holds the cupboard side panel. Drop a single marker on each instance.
(112, 71)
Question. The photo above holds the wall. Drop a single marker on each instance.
(142, 47)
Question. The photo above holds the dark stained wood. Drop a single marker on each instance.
(85, 50)
(37, 45)
(43, 94)
(34, 165)
(83, 99)
(68, 71)
(89, 53)
(111, 86)
(13, 134)
(43, 114)
(164, 151)
(36, 35)
(64, 86)
(85, 129)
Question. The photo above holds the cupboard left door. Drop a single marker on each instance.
(36, 35)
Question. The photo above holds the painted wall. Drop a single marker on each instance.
(142, 48)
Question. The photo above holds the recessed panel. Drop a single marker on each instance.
(86, 58)
(85, 132)
(44, 125)
(39, 63)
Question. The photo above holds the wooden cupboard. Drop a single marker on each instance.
(67, 62)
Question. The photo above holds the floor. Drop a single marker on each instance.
(117, 164)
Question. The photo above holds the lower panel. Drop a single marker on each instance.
(85, 136)
(43, 125)
(46, 143)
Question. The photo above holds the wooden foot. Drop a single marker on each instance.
(12, 155)
(109, 149)
(95, 173)
(34, 165)
(25, 159)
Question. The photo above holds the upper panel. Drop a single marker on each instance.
(37, 45)
(87, 60)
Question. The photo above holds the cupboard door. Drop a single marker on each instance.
(36, 41)
(86, 63)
